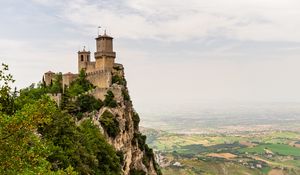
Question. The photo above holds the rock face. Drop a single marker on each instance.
(124, 134)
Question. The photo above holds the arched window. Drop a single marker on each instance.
(88, 57)
(81, 57)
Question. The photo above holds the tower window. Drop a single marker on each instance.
(88, 57)
(81, 57)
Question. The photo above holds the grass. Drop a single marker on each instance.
(191, 151)
(275, 148)
(265, 170)
(196, 167)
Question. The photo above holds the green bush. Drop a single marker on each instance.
(117, 68)
(136, 120)
(109, 100)
(56, 85)
(141, 140)
(125, 94)
(88, 103)
(137, 172)
(120, 154)
(118, 80)
(108, 160)
(79, 85)
(110, 124)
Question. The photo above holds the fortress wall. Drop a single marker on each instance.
(99, 93)
(56, 98)
(68, 78)
(90, 67)
(48, 77)
(100, 78)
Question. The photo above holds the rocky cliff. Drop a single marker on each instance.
(119, 123)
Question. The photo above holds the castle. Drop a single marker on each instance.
(98, 72)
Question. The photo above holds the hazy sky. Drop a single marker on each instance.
(174, 51)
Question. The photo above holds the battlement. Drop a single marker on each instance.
(98, 72)
(107, 54)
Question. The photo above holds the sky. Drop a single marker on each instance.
(175, 52)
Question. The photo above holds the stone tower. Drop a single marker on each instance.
(84, 58)
(48, 77)
(105, 56)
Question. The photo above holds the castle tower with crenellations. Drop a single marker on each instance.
(98, 72)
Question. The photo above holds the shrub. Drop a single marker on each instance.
(110, 124)
(118, 68)
(141, 140)
(125, 94)
(79, 85)
(137, 172)
(136, 120)
(56, 85)
(109, 100)
(118, 80)
(88, 103)
(120, 154)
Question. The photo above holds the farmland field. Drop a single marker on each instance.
(258, 153)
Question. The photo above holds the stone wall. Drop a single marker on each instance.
(56, 98)
(104, 63)
(90, 67)
(49, 77)
(100, 78)
(68, 78)
(99, 93)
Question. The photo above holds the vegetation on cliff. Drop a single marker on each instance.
(110, 124)
(37, 137)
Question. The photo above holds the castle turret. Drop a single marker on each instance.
(48, 78)
(83, 59)
(105, 56)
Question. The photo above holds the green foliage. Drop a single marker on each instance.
(118, 80)
(120, 154)
(6, 97)
(140, 139)
(79, 85)
(88, 103)
(108, 160)
(29, 95)
(137, 172)
(117, 68)
(83, 147)
(136, 120)
(109, 100)
(148, 152)
(125, 95)
(40, 139)
(110, 124)
(56, 85)
(280, 149)
(22, 150)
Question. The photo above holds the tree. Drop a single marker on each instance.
(21, 148)
(109, 100)
(79, 85)
(6, 97)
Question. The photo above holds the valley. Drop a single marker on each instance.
(256, 152)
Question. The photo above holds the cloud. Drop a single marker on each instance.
(172, 50)
(173, 20)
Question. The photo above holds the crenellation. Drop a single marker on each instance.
(98, 72)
